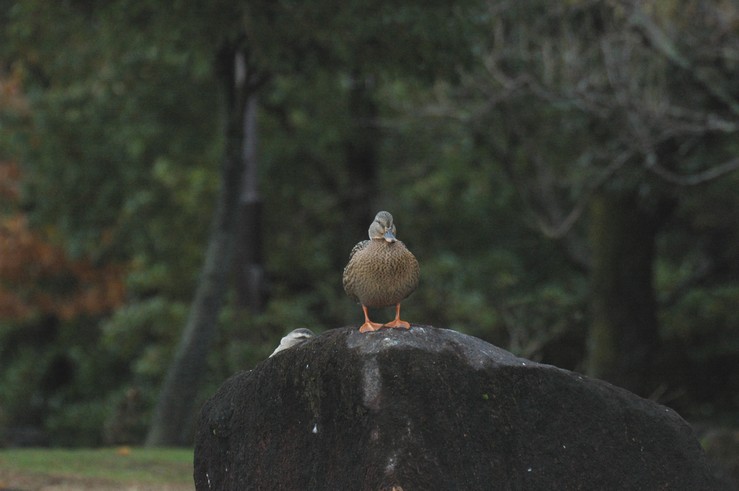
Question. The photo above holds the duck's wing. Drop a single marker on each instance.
(350, 270)
(358, 247)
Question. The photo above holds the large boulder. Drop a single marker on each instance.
(433, 409)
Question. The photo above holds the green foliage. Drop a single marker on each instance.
(705, 321)
(455, 214)
(52, 376)
(119, 154)
(417, 39)
(105, 115)
(122, 139)
(696, 278)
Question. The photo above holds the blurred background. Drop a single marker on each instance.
(180, 186)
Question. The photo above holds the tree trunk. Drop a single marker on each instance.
(624, 327)
(249, 282)
(174, 413)
(361, 156)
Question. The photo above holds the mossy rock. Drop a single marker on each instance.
(430, 408)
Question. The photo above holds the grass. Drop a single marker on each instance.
(120, 465)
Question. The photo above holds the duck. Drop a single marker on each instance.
(381, 272)
(293, 338)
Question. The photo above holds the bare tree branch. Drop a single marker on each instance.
(693, 179)
(662, 43)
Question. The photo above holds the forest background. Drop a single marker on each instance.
(181, 185)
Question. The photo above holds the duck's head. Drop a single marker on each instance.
(382, 227)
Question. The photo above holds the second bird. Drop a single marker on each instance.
(381, 272)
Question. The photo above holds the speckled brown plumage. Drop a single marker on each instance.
(381, 271)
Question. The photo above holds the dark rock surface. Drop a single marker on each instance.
(433, 409)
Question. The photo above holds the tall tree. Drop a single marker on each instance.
(176, 403)
(105, 108)
(119, 170)
(606, 110)
(249, 259)
(282, 40)
(623, 324)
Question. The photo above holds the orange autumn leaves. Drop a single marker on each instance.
(9, 182)
(37, 277)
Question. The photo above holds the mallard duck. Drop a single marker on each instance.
(381, 272)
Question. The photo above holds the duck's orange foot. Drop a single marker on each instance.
(370, 326)
(397, 323)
